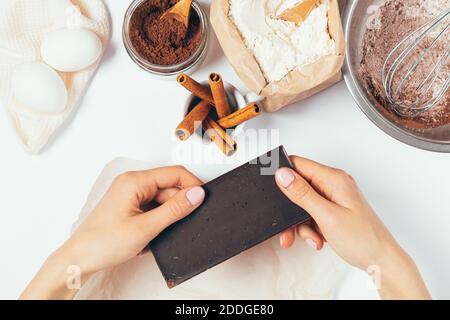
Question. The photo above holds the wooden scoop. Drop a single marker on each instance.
(299, 12)
(180, 12)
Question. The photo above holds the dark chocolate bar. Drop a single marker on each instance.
(242, 208)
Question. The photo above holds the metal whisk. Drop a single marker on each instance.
(410, 93)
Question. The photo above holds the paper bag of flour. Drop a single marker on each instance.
(298, 84)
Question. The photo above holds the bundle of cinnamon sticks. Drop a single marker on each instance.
(215, 124)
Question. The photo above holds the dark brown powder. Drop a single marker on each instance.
(394, 24)
(163, 41)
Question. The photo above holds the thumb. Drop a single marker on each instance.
(176, 208)
(299, 191)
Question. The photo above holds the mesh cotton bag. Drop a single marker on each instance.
(23, 25)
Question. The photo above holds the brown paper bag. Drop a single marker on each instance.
(297, 85)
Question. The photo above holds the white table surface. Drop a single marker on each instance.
(127, 113)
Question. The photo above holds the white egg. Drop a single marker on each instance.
(39, 87)
(71, 50)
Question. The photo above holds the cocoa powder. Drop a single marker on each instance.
(163, 41)
(393, 21)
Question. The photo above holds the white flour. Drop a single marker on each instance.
(280, 46)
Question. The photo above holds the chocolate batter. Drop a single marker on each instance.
(386, 28)
(163, 41)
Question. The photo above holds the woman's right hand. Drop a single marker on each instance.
(343, 218)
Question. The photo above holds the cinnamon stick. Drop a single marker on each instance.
(219, 95)
(195, 88)
(219, 137)
(193, 120)
(240, 116)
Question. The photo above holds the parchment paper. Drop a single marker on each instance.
(263, 272)
(297, 85)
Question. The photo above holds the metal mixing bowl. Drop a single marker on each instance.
(355, 18)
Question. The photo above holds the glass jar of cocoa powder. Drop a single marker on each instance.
(165, 47)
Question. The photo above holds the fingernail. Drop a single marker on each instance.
(195, 195)
(282, 237)
(284, 177)
(311, 243)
